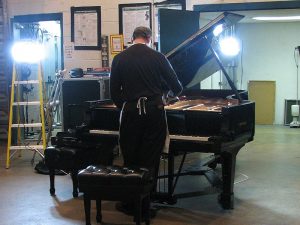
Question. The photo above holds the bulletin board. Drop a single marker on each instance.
(86, 27)
(132, 16)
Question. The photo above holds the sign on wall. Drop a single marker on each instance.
(86, 27)
(132, 16)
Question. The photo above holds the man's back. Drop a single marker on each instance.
(141, 71)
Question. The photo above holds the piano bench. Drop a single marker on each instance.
(70, 159)
(115, 183)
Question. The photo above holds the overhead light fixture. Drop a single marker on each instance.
(295, 108)
(277, 18)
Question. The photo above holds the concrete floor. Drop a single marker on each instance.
(267, 191)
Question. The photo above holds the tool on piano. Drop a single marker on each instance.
(220, 122)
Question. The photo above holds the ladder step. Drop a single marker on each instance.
(26, 82)
(27, 103)
(27, 125)
(20, 147)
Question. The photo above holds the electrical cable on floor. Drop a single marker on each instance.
(243, 180)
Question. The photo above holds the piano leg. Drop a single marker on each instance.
(171, 199)
(226, 198)
(52, 180)
(170, 174)
(74, 174)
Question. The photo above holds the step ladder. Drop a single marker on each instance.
(15, 106)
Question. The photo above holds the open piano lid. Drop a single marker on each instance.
(193, 59)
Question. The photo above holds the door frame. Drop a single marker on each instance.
(42, 17)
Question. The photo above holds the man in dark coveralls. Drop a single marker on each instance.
(139, 77)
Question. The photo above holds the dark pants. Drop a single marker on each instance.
(142, 137)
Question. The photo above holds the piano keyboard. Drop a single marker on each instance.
(105, 132)
(172, 136)
(189, 138)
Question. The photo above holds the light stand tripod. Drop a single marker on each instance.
(295, 108)
(52, 106)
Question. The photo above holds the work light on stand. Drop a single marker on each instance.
(295, 108)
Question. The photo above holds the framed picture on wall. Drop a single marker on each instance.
(132, 16)
(86, 27)
(116, 43)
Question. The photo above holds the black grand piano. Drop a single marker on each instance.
(220, 122)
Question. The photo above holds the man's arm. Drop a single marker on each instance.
(170, 77)
(115, 84)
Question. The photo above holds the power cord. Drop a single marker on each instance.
(243, 180)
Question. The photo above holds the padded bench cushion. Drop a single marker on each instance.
(94, 177)
(64, 157)
(74, 158)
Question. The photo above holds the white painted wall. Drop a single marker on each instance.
(109, 22)
(190, 3)
(259, 42)
(268, 54)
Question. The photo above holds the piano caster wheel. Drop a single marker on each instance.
(172, 200)
(226, 201)
(75, 194)
(52, 192)
(99, 219)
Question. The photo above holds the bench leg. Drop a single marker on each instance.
(74, 175)
(87, 209)
(138, 211)
(99, 213)
(147, 209)
(52, 175)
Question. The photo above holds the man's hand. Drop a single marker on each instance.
(169, 98)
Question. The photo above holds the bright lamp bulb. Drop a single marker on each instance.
(28, 52)
(218, 30)
(230, 46)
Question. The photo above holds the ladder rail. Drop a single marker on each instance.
(42, 104)
(12, 93)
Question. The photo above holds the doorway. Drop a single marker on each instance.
(47, 31)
